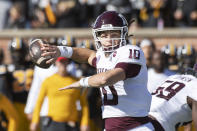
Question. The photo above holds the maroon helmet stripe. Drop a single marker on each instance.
(131, 70)
(110, 17)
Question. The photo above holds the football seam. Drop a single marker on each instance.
(40, 60)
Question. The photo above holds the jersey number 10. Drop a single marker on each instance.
(134, 54)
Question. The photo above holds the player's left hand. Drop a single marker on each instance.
(72, 86)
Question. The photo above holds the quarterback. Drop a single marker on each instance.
(121, 73)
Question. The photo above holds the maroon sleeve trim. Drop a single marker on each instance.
(131, 70)
(94, 62)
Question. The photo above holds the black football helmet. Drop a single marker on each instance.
(110, 20)
(18, 50)
(170, 54)
(186, 55)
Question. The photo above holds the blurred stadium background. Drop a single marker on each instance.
(162, 21)
(176, 36)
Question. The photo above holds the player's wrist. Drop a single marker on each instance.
(84, 82)
(65, 51)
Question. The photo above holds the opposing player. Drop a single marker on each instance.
(121, 73)
(174, 102)
(22, 72)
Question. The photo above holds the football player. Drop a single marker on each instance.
(171, 61)
(20, 68)
(121, 73)
(22, 73)
(186, 56)
(148, 48)
(174, 102)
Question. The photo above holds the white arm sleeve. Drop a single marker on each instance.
(65, 51)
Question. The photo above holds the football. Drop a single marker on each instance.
(35, 53)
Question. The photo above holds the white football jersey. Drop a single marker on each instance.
(169, 101)
(128, 97)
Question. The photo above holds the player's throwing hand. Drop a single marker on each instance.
(72, 86)
(50, 50)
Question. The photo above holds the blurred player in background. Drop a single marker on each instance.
(158, 73)
(148, 48)
(63, 109)
(186, 56)
(171, 61)
(174, 102)
(22, 72)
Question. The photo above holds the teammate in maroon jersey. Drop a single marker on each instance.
(174, 102)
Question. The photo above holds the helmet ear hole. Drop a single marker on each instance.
(98, 34)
